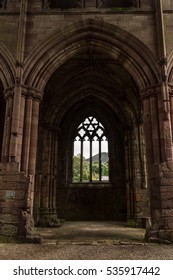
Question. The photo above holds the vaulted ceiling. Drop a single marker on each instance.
(90, 81)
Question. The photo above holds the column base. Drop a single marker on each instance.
(48, 218)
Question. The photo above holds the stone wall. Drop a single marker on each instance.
(14, 202)
(91, 203)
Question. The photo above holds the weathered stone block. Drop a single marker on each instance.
(8, 230)
(9, 219)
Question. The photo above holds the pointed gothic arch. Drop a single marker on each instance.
(126, 49)
(134, 69)
(7, 67)
(7, 78)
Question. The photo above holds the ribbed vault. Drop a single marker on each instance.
(91, 79)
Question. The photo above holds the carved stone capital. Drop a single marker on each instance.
(35, 94)
(170, 88)
(150, 91)
(24, 91)
(8, 93)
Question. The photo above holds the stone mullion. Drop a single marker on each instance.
(100, 161)
(7, 126)
(90, 160)
(81, 162)
(27, 135)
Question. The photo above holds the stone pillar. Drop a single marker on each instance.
(36, 98)
(140, 175)
(129, 176)
(34, 133)
(7, 126)
(47, 180)
(156, 105)
(18, 100)
(27, 134)
(21, 126)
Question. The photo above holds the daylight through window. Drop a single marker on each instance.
(90, 156)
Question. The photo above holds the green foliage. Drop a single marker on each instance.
(86, 169)
(105, 169)
(76, 168)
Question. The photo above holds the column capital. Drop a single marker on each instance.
(170, 88)
(8, 93)
(151, 91)
(35, 94)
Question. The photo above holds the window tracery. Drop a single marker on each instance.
(90, 156)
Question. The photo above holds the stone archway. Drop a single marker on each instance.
(76, 85)
(7, 81)
(132, 99)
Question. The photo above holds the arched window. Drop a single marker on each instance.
(90, 155)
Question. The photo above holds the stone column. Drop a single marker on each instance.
(48, 211)
(165, 122)
(156, 103)
(27, 133)
(21, 126)
(129, 175)
(7, 126)
(32, 145)
(140, 175)
(37, 97)
(171, 107)
(18, 101)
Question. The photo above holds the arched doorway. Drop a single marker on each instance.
(75, 92)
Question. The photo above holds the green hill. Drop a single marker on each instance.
(104, 157)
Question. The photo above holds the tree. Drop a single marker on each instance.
(105, 169)
(86, 169)
(76, 169)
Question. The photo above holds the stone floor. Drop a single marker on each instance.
(91, 232)
(88, 241)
